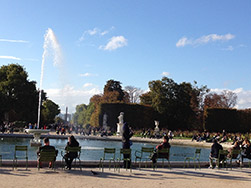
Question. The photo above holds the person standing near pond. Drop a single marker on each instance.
(69, 156)
(126, 143)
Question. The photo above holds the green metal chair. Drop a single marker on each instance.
(222, 158)
(47, 156)
(109, 154)
(163, 154)
(195, 158)
(127, 160)
(76, 149)
(144, 155)
(21, 152)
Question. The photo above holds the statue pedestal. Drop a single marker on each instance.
(119, 129)
(36, 134)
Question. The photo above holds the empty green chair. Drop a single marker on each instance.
(109, 154)
(126, 160)
(144, 155)
(195, 158)
(21, 152)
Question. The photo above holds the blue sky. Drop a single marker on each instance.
(133, 42)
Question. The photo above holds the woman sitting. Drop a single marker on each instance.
(69, 156)
(246, 150)
(164, 145)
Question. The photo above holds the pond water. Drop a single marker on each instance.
(92, 150)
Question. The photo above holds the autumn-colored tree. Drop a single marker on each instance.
(146, 98)
(226, 99)
(112, 86)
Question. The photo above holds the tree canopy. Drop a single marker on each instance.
(18, 93)
(19, 96)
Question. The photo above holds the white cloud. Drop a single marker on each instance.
(165, 73)
(243, 97)
(204, 39)
(71, 97)
(87, 85)
(182, 42)
(17, 41)
(115, 43)
(10, 57)
(87, 74)
(94, 31)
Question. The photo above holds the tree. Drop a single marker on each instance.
(171, 100)
(49, 112)
(134, 93)
(19, 95)
(178, 103)
(226, 99)
(113, 87)
(146, 99)
(79, 114)
(230, 98)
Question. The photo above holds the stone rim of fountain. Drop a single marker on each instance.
(36, 134)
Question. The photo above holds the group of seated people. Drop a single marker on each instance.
(244, 146)
(205, 136)
(68, 157)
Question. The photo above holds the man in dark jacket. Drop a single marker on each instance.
(127, 134)
(216, 147)
(46, 147)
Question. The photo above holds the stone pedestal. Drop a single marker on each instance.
(36, 134)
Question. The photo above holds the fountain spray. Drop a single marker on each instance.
(50, 45)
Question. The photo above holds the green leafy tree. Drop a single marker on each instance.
(178, 103)
(49, 112)
(19, 97)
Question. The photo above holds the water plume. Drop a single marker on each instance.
(51, 46)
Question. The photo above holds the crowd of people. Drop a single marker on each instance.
(238, 143)
(244, 148)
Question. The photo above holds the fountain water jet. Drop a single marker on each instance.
(50, 42)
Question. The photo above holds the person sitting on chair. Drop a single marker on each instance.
(234, 148)
(246, 150)
(216, 147)
(164, 145)
(47, 147)
(69, 156)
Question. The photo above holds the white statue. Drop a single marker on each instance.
(121, 118)
(120, 124)
(105, 121)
